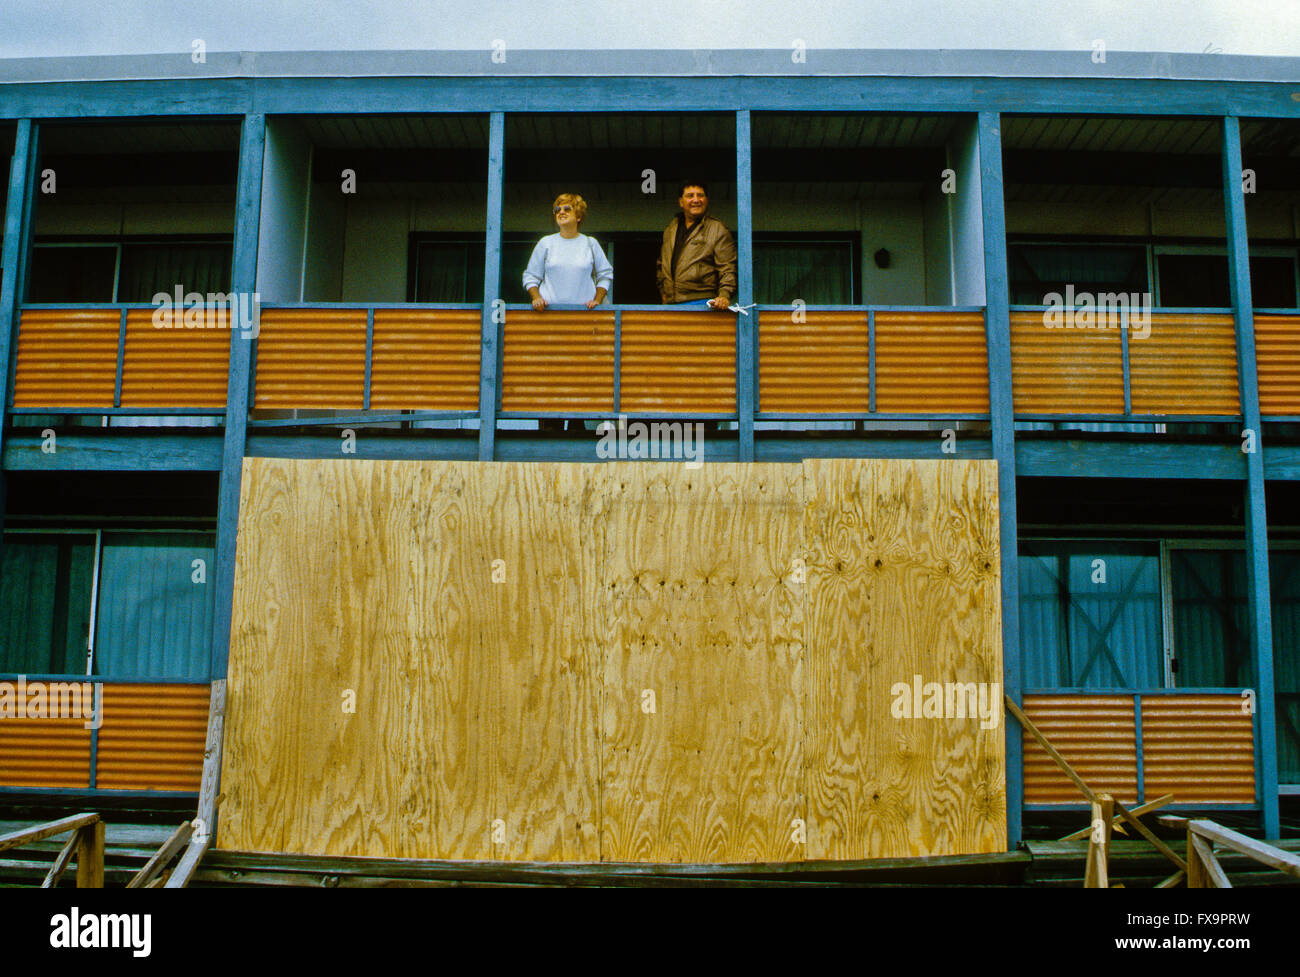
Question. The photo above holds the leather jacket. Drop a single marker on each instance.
(706, 268)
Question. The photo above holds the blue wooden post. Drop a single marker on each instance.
(1261, 623)
(487, 391)
(18, 233)
(1002, 415)
(248, 207)
(746, 326)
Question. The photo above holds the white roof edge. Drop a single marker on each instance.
(654, 63)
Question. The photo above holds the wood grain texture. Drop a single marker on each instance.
(903, 580)
(701, 615)
(499, 625)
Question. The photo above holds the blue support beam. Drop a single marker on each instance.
(492, 329)
(1002, 415)
(13, 261)
(1260, 608)
(248, 207)
(746, 325)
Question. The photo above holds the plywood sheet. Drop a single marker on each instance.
(454, 660)
(703, 619)
(902, 582)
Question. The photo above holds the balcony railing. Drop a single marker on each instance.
(1197, 744)
(408, 361)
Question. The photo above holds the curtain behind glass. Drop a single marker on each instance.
(1284, 573)
(154, 621)
(45, 587)
(148, 269)
(820, 273)
(1077, 633)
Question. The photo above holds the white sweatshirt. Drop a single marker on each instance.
(567, 271)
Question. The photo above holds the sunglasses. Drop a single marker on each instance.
(563, 207)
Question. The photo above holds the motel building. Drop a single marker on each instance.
(1007, 403)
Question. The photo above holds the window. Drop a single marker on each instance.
(1036, 270)
(151, 619)
(46, 581)
(820, 269)
(821, 272)
(1211, 640)
(1090, 615)
(127, 270)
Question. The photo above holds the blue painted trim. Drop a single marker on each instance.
(1115, 690)
(121, 359)
(17, 235)
(120, 411)
(1137, 748)
(248, 204)
(867, 416)
(1002, 412)
(104, 679)
(350, 419)
(618, 359)
(1260, 608)
(1130, 418)
(1058, 458)
(505, 92)
(1083, 805)
(370, 356)
(488, 396)
(404, 306)
(1124, 365)
(94, 756)
(97, 792)
(119, 450)
(1156, 310)
(600, 415)
(746, 325)
(871, 361)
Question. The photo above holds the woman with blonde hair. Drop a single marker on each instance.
(568, 267)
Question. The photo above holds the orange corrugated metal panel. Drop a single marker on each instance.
(67, 358)
(1277, 357)
(676, 361)
(1097, 736)
(152, 737)
(425, 359)
(931, 362)
(818, 366)
(1065, 371)
(175, 365)
(44, 753)
(311, 358)
(1188, 365)
(558, 361)
(1200, 748)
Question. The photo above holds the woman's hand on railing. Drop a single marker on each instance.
(539, 304)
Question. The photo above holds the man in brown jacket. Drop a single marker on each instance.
(697, 262)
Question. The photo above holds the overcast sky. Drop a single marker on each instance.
(41, 28)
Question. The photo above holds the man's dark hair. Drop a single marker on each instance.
(681, 190)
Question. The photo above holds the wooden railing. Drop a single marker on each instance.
(1203, 868)
(86, 844)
